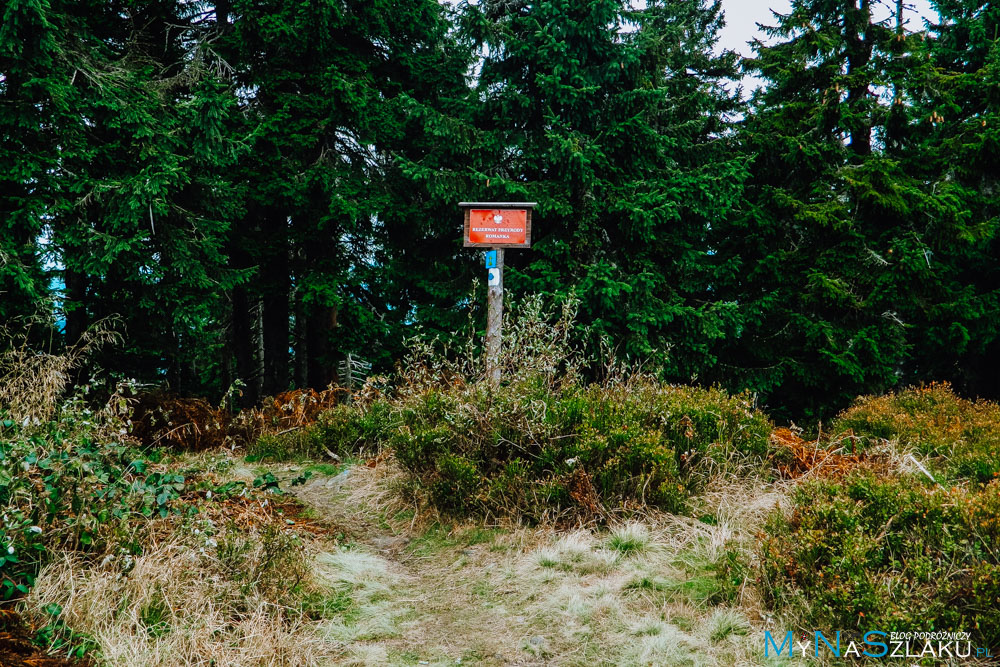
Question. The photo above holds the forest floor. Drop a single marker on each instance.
(409, 589)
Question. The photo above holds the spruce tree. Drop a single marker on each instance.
(829, 244)
(952, 146)
(336, 93)
(142, 233)
(32, 82)
(614, 120)
(118, 202)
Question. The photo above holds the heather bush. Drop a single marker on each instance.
(897, 551)
(344, 431)
(959, 438)
(542, 443)
(493, 450)
(891, 553)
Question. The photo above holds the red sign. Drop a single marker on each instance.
(498, 227)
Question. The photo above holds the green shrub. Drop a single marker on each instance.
(58, 638)
(303, 443)
(960, 437)
(541, 443)
(531, 450)
(887, 553)
(67, 484)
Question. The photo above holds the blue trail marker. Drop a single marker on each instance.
(491, 259)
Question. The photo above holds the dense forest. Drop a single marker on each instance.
(254, 189)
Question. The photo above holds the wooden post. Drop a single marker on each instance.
(496, 225)
(494, 318)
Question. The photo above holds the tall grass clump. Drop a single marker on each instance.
(205, 593)
(33, 382)
(545, 442)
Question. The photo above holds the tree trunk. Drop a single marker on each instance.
(242, 337)
(241, 326)
(860, 40)
(301, 342)
(222, 9)
(75, 306)
(321, 323)
(258, 343)
(275, 286)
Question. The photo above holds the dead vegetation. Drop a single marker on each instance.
(207, 595)
(34, 381)
(162, 419)
(299, 407)
(833, 457)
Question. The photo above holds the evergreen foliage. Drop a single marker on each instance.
(616, 121)
(257, 188)
(855, 240)
(955, 149)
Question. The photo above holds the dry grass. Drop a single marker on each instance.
(184, 604)
(643, 592)
(32, 382)
(539, 344)
(402, 587)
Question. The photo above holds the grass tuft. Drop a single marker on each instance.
(724, 623)
(629, 540)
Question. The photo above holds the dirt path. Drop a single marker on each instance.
(422, 596)
(424, 592)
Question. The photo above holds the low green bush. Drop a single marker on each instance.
(68, 484)
(78, 483)
(887, 553)
(541, 443)
(894, 551)
(534, 452)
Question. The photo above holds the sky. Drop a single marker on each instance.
(743, 15)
